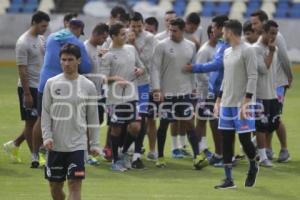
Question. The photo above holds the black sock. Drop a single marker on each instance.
(193, 141)
(248, 146)
(140, 138)
(161, 136)
(115, 140)
(129, 139)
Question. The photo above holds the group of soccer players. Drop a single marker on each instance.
(235, 81)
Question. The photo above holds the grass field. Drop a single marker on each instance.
(177, 181)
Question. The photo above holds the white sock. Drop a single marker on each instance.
(136, 156)
(182, 140)
(254, 141)
(262, 154)
(218, 156)
(174, 142)
(203, 144)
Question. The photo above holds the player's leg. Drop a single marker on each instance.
(174, 130)
(56, 189)
(74, 189)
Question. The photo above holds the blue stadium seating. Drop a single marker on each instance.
(23, 6)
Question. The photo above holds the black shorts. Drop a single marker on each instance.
(205, 109)
(152, 107)
(39, 103)
(28, 114)
(267, 115)
(122, 114)
(101, 109)
(65, 164)
(177, 108)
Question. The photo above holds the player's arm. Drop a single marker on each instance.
(93, 121)
(46, 118)
(155, 72)
(22, 61)
(140, 67)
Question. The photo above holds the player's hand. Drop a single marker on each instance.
(290, 83)
(94, 152)
(157, 96)
(102, 52)
(122, 83)
(217, 108)
(28, 101)
(138, 72)
(188, 68)
(244, 109)
(272, 46)
(48, 144)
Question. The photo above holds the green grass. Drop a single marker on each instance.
(177, 181)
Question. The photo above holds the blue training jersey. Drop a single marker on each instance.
(215, 67)
(51, 66)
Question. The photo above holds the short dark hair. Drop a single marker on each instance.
(100, 29)
(247, 26)
(268, 24)
(193, 18)
(220, 19)
(209, 31)
(70, 16)
(235, 26)
(152, 21)
(70, 49)
(117, 10)
(39, 16)
(115, 28)
(262, 15)
(170, 12)
(137, 17)
(178, 22)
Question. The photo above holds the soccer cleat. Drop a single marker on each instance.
(227, 184)
(208, 154)
(94, 161)
(176, 153)
(214, 160)
(138, 164)
(269, 153)
(151, 156)
(251, 177)
(13, 151)
(161, 163)
(240, 157)
(125, 158)
(34, 161)
(219, 164)
(266, 163)
(185, 152)
(107, 153)
(284, 156)
(118, 166)
(200, 161)
(42, 159)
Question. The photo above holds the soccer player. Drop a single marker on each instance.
(151, 25)
(284, 79)
(193, 30)
(269, 115)
(122, 66)
(51, 66)
(169, 15)
(69, 113)
(29, 58)
(204, 55)
(216, 69)
(249, 34)
(143, 42)
(68, 17)
(232, 105)
(97, 38)
(174, 87)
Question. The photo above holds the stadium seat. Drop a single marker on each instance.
(179, 7)
(154, 2)
(165, 5)
(4, 4)
(46, 5)
(193, 6)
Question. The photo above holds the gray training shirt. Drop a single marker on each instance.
(69, 113)
(30, 52)
(170, 58)
(121, 62)
(240, 74)
(266, 80)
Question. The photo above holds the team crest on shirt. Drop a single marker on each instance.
(171, 50)
(57, 91)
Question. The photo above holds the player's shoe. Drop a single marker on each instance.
(214, 160)
(227, 184)
(208, 154)
(35, 161)
(125, 158)
(176, 153)
(118, 166)
(266, 163)
(138, 164)
(185, 152)
(284, 156)
(94, 161)
(251, 176)
(161, 163)
(269, 153)
(151, 156)
(13, 151)
(200, 161)
(42, 159)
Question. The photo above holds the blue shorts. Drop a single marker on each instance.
(143, 98)
(230, 120)
(280, 96)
